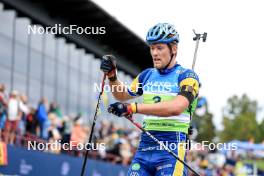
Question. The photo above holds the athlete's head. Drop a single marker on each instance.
(163, 40)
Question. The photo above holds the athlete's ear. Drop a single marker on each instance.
(174, 49)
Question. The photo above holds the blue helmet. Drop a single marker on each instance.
(162, 33)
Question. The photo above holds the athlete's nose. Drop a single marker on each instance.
(154, 52)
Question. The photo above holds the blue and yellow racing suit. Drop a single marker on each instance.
(154, 86)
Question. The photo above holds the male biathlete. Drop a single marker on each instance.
(169, 98)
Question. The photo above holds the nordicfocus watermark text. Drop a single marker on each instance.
(204, 145)
(59, 29)
(152, 86)
(57, 145)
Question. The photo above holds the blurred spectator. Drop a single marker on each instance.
(66, 129)
(23, 106)
(103, 129)
(13, 117)
(32, 122)
(54, 108)
(125, 151)
(115, 150)
(43, 119)
(3, 108)
(239, 168)
(204, 162)
(54, 134)
(79, 134)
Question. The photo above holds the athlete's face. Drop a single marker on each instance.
(161, 54)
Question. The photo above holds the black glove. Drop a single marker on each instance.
(108, 66)
(122, 109)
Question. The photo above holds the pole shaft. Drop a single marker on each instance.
(195, 53)
(93, 125)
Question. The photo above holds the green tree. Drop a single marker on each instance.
(206, 128)
(261, 131)
(204, 125)
(239, 120)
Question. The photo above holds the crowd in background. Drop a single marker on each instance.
(20, 122)
(18, 118)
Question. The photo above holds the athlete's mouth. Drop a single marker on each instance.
(156, 59)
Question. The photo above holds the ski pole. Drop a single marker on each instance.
(93, 125)
(197, 39)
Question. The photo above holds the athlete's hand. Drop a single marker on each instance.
(108, 66)
(122, 109)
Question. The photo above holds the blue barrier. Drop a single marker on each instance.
(36, 163)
